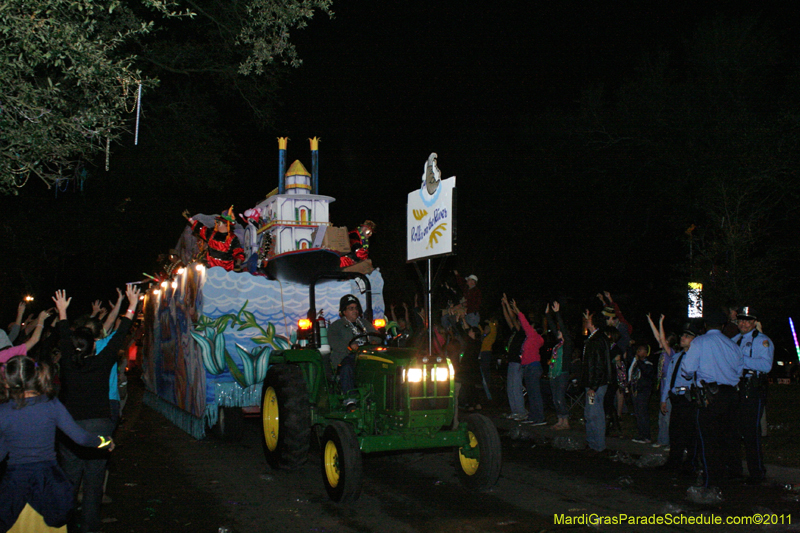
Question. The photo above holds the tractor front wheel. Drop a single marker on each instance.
(478, 463)
(342, 471)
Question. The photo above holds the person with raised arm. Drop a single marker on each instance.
(7, 351)
(516, 397)
(595, 378)
(85, 392)
(667, 345)
(531, 368)
(560, 364)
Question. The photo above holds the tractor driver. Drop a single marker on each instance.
(341, 336)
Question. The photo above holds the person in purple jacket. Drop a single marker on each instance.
(29, 416)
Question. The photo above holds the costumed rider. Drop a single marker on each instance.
(223, 248)
(344, 345)
(757, 353)
(359, 244)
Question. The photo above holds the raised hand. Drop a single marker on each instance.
(97, 305)
(42, 317)
(118, 304)
(132, 292)
(556, 307)
(608, 297)
(62, 302)
(186, 215)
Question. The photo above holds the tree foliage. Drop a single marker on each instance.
(71, 69)
(714, 133)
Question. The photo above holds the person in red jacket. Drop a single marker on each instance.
(223, 249)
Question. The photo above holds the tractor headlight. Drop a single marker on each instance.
(414, 375)
(440, 373)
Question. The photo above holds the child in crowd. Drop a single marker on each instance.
(35, 491)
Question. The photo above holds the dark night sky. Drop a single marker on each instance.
(383, 84)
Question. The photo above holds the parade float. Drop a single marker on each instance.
(209, 332)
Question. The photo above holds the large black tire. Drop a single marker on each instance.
(481, 473)
(230, 424)
(285, 417)
(342, 470)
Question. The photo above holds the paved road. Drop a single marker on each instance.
(164, 480)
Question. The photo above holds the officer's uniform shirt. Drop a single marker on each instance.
(713, 358)
(757, 351)
(681, 383)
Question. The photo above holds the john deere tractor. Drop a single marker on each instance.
(404, 402)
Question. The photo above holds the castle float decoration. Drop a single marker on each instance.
(293, 222)
(209, 333)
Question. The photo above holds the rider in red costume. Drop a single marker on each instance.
(223, 248)
(359, 244)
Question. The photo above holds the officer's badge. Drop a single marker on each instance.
(765, 343)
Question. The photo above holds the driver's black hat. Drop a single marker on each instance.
(347, 300)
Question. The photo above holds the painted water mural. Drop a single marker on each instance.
(209, 338)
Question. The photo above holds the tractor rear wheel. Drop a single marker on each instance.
(286, 417)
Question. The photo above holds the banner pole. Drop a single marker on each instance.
(430, 311)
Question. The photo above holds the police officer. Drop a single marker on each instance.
(757, 353)
(714, 363)
(682, 415)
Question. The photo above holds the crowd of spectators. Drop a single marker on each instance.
(620, 375)
(64, 375)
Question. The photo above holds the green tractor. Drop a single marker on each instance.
(404, 402)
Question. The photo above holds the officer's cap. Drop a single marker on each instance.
(691, 329)
(746, 313)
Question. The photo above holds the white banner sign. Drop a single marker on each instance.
(431, 215)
